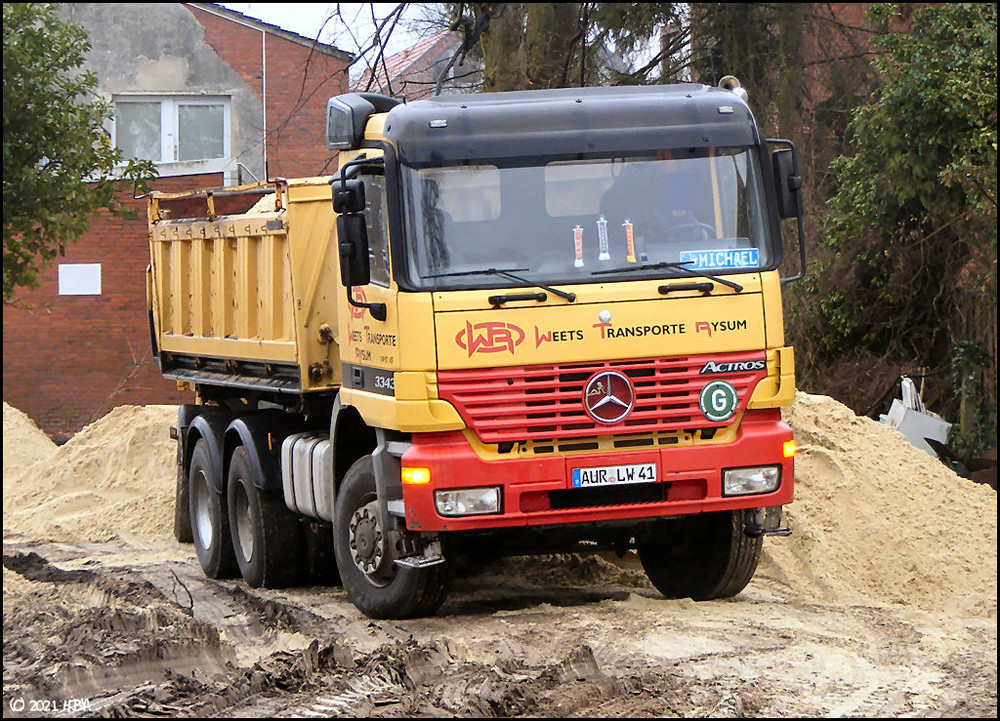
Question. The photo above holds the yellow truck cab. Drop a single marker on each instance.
(510, 323)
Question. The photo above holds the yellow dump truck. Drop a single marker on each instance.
(508, 324)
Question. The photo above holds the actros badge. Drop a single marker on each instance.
(608, 397)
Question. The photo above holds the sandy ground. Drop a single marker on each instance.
(881, 603)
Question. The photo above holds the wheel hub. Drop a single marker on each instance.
(202, 511)
(366, 539)
(244, 526)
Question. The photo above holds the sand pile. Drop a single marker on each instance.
(115, 477)
(23, 442)
(874, 519)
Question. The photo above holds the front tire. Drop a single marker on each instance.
(209, 517)
(703, 557)
(265, 534)
(365, 556)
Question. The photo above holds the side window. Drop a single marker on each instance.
(378, 229)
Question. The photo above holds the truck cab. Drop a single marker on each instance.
(593, 279)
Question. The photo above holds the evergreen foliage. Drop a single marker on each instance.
(58, 163)
(911, 274)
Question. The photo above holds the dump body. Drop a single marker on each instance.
(246, 299)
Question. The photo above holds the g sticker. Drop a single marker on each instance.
(718, 401)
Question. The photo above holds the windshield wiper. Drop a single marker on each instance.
(506, 273)
(678, 265)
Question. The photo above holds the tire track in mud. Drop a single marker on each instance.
(142, 632)
(432, 680)
(146, 640)
(87, 634)
(161, 639)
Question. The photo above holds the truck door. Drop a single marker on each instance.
(371, 354)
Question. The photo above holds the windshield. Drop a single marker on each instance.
(568, 221)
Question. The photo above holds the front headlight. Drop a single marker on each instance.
(748, 481)
(467, 501)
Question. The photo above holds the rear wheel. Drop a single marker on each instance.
(182, 508)
(209, 517)
(365, 556)
(266, 535)
(701, 557)
(318, 554)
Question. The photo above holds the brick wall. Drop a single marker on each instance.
(299, 81)
(67, 360)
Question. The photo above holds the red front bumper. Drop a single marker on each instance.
(531, 486)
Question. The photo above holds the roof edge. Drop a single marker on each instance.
(238, 17)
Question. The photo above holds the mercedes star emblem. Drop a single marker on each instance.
(608, 397)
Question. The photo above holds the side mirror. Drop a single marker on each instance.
(352, 232)
(355, 267)
(348, 196)
(788, 187)
(352, 239)
(787, 182)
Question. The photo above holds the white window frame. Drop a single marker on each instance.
(168, 164)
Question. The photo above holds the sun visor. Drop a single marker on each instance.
(445, 130)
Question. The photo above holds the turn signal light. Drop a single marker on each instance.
(788, 449)
(416, 476)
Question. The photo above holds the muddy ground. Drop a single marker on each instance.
(136, 630)
(882, 603)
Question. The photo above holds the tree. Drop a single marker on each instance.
(553, 45)
(911, 280)
(58, 163)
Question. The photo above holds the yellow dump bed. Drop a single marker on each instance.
(243, 286)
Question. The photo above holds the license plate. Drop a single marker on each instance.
(614, 475)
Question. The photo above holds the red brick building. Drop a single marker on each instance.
(414, 73)
(208, 94)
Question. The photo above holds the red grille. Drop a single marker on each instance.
(531, 403)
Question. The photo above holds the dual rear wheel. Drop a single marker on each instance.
(266, 535)
(248, 531)
(209, 517)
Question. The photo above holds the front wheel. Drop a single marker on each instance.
(702, 557)
(366, 556)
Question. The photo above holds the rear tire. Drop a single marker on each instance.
(702, 557)
(209, 517)
(322, 562)
(265, 534)
(182, 508)
(375, 584)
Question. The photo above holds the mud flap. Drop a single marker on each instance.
(387, 462)
(764, 522)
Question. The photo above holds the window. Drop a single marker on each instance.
(560, 221)
(378, 230)
(465, 193)
(188, 130)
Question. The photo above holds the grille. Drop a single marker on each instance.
(544, 403)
